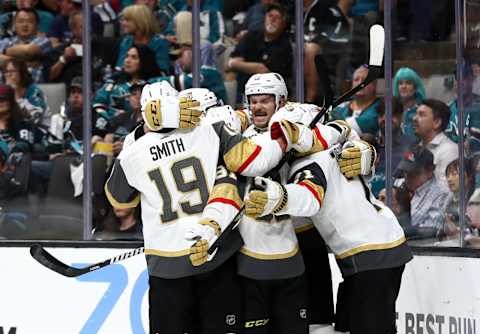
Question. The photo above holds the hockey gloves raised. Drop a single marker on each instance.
(298, 136)
(190, 113)
(205, 232)
(270, 197)
(357, 158)
(170, 112)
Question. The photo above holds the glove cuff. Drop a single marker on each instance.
(283, 201)
(213, 224)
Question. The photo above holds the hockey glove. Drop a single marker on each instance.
(190, 113)
(270, 198)
(205, 232)
(343, 130)
(357, 158)
(298, 136)
(168, 112)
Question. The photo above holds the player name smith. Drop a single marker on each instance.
(167, 148)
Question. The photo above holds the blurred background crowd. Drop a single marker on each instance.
(142, 41)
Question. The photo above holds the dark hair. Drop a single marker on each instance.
(22, 68)
(29, 11)
(440, 111)
(397, 108)
(148, 64)
(17, 114)
(470, 170)
(282, 10)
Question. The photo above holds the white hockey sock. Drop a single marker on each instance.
(320, 329)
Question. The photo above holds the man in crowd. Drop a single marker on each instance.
(430, 121)
(26, 44)
(360, 113)
(263, 51)
(427, 196)
(327, 33)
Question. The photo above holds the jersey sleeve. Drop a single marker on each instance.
(224, 201)
(324, 137)
(120, 194)
(242, 155)
(308, 183)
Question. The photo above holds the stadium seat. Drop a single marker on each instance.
(55, 94)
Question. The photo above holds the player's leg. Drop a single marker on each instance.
(220, 300)
(372, 301)
(171, 307)
(289, 306)
(256, 295)
(319, 281)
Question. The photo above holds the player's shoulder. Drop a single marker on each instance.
(322, 159)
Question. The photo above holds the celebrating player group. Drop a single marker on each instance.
(194, 165)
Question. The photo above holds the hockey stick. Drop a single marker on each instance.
(377, 44)
(48, 260)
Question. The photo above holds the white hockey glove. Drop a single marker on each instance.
(270, 199)
(357, 158)
(205, 232)
(343, 130)
(298, 136)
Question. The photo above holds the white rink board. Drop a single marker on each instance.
(438, 295)
(35, 299)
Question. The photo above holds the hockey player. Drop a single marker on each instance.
(170, 168)
(270, 261)
(361, 231)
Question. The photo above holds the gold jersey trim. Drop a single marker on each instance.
(226, 191)
(241, 155)
(116, 204)
(370, 247)
(304, 228)
(157, 252)
(270, 256)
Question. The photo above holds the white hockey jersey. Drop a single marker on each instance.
(361, 231)
(172, 175)
(270, 249)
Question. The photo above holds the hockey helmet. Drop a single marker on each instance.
(223, 113)
(296, 113)
(268, 84)
(206, 97)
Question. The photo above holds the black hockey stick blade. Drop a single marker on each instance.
(52, 263)
(48, 260)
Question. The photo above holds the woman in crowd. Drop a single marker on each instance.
(141, 28)
(409, 88)
(451, 228)
(28, 95)
(14, 128)
(139, 66)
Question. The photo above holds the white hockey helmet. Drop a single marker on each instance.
(269, 84)
(223, 113)
(296, 113)
(157, 98)
(206, 97)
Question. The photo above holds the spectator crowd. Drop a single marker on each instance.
(135, 42)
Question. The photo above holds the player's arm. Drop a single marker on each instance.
(119, 193)
(308, 141)
(308, 184)
(244, 156)
(223, 205)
